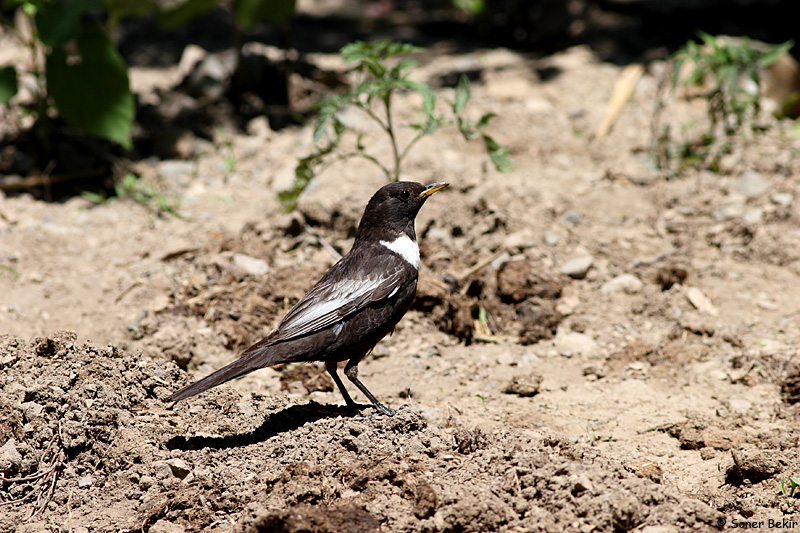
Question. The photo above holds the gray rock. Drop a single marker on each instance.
(753, 216)
(574, 343)
(10, 458)
(31, 410)
(573, 217)
(251, 265)
(729, 211)
(783, 199)
(179, 467)
(175, 172)
(85, 481)
(520, 240)
(623, 283)
(577, 267)
(751, 184)
(700, 301)
(551, 238)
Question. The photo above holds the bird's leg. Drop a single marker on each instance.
(332, 368)
(351, 371)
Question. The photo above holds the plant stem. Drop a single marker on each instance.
(387, 102)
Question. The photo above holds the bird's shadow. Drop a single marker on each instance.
(276, 423)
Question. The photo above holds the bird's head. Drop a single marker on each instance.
(395, 206)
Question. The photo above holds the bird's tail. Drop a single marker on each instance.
(244, 365)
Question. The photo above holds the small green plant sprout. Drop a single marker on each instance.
(145, 194)
(382, 74)
(794, 482)
(730, 69)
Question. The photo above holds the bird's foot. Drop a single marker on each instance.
(382, 410)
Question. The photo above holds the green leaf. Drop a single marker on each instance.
(497, 154)
(93, 94)
(177, 14)
(249, 13)
(462, 95)
(473, 7)
(8, 84)
(774, 52)
(428, 98)
(484, 121)
(60, 22)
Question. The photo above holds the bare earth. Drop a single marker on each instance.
(657, 406)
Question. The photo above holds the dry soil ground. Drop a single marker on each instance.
(655, 402)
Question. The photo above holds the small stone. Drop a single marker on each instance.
(577, 267)
(753, 216)
(627, 283)
(729, 211)
(573, 217)
(179, 173)
(10, 458)
(251, 265)
(146, 482)
(783, 199)
(524, 385)
(700, 301)
(581, 483)
(520, 240)
(751, 184)
(85, 481)
(31, 410)
(179, 467)
(574, 343)
(551, 238)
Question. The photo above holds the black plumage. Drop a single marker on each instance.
(355, 304)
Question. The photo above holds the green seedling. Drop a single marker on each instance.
(794, 482)
(382, 75)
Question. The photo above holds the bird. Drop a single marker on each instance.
(353, 306)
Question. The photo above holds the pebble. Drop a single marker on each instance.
(574, 343)
(251, 265)
(551, 238)
(753, 216)
(179, 467)
(573, 217)
(783, 199)
(10, 458)
(31, 410)
(627, 283)
(176, 172)
(700, 301)
(577, 267)
(729, 211)
(85, 481)
(520, 240)
(751, 184)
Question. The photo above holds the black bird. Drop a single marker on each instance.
(355, 304)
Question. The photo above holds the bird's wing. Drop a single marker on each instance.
(332, 300)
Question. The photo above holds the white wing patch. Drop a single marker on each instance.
(405, 248)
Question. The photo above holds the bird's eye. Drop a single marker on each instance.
(405, 194)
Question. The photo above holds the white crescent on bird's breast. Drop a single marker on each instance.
(405, 247)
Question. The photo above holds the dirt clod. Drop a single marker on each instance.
(524, 385)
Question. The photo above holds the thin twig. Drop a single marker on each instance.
(480, 265)
(324, 243)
